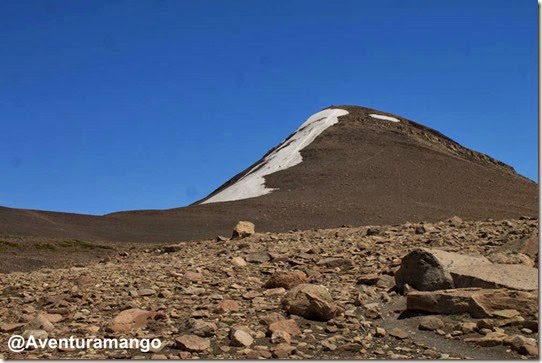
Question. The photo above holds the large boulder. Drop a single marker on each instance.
(479, 303)
(496, 275)
(433, 269)
(311, 302)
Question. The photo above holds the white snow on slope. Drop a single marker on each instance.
(252, 184)
(383, 117)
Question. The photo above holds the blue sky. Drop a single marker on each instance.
(117, 105)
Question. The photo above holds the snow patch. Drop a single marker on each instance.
(252, 184)
(383, 117)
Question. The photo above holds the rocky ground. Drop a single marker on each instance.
(316, 294)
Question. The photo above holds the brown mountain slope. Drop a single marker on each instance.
(360, 171)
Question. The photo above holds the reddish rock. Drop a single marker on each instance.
(528, 349)
(490, 340)
(333, 262)
(288, 326)
(286, 279)
(398, 333)
(271, 318)
(193, 276)
(280, 337)
(283, 351)
(192, 343)
(226, 306)
(311, 302)
(430, 323)
(130, 319)
(240, 338)
(9, 327)
(479, 303)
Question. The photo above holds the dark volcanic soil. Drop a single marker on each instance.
(360, 171)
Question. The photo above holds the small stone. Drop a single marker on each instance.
(239, 261)
(526, 331)
(275, 292)
(467, 327)
(146, 292)
(333, 262)
(9, 327)
(328, 346)
(227, 306)
(130, 319)
(368, 279)
(202, 329)
(198, 314)
(271, 318)
(159, 356)
(288, 326)
(385, 281)
(53, 318)
(283, 351)
(171, 249)
(165, 294)
(193, 276)
(516, 341)
(311, 302)
(485, 324)
(224, 348)
(490, 340)
(253, 354)
(37, 334)
(243, 229)
(431, 353)
(286, 279)
(240, 338)
(192, 343)
(506, 314)
(398, 333)
(485, 331)
(419, 230)
(529, 350)
(430, 323)
(258, 257)
(40, 322)
(379, 332)
(281, 336)
(455, 221)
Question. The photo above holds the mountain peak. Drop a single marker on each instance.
(358, 123)
(345, 165)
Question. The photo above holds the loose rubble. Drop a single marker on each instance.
(315, 294)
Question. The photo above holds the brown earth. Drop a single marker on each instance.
(210, 299)
(360, 171)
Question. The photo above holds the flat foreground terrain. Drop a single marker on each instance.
(213, 299)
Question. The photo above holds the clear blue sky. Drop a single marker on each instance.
(117, 105)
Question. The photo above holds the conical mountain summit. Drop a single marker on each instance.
(344, 165)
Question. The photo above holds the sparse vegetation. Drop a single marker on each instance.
(5, 245)
(71, 244)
